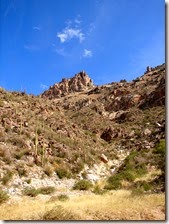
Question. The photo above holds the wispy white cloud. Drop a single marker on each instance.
(72, 30)
(61, 51)
(36, 28)
(30, 47)
(70, 33)
(43, 86)
(91, 27)
(68, 23)
(77, 21)
(87, 53)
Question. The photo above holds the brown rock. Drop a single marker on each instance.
(103, 158)
(80, 82)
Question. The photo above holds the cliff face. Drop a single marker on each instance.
(80, 82)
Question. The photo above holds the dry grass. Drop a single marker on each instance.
(115, 205)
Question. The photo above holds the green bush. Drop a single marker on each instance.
(98, 190)
(114, 183)
(62, 172)
(160, 148)
(127, 175)
(46, 190)
(21, 171)
(63, 197)
(32, 192)
(159, 151)
(21, 153)
(7, 177)
(3, 196)
(82, 185)
(145, 186)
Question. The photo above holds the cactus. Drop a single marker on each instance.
(36, 146)
(43, 154)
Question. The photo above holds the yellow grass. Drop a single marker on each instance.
(115, 205)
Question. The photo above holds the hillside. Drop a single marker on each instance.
(76, 130)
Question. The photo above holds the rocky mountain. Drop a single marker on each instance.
(80, 82)
(76, 130)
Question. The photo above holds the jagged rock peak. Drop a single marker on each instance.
(80, 82)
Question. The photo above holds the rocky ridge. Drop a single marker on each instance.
(79, 130)
(79, 83)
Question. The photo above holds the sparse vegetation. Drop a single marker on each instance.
(7, 177)
(98, 190)
(114, 205)
(63, 197)
(60, 213)
(3, 196)
(82, 185)
(32, 192)
(40, 138)
(48, 170)
(62, 173)
(46, 190)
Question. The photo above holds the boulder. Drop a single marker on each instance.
(147, 132)
(103, 158)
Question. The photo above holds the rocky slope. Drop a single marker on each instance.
(78, 130)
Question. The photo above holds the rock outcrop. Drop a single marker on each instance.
(80, 82)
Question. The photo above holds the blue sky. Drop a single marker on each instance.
(43, 41)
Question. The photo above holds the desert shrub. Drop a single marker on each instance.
(21, 171)
(82, 185)
(140, 170)
(127, 175)
(133, 166)
(159, 161)
(46, 190)
(143, 185)
(77, 167)
(114, 183)
(18, 155)
(62, 172)
(28, 181)
(18, 141)
(60, 213)
(32, 192)
(1, 103)
(98, 190)
(159, 151)
(7, 177)
(48, 171)
(63, 197)
(3, 196)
